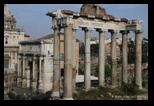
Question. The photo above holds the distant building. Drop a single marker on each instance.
(12, 36)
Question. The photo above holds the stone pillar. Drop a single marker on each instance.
(87, 71)
(23, 74)
(74, 68)
(124, 56)
(113, 58)
(19, 71)
(34, 77)
(56, 64)
(101, 59)
(28, 76)
(68, 63)
(40, 74)
(138, 58)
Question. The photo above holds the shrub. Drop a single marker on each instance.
(11, 95)
(130, 89)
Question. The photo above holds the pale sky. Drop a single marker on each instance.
(32, 17)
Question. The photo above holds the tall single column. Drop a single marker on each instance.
(113, 58)
(138, 58)
(40, 74)
(56, 64)
(74, 68)
(124, 56)
(23, 74)
(101, 59)
(19, 71)
(87, 71)
(28, 75)
(34, 77)
(68, 63)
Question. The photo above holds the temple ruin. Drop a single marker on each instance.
(91, 17)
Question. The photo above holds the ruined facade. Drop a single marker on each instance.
(91, 17)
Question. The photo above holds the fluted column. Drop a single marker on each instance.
(56, 64)
(74, 68)
(34, 77)
(113, 58)
(87, 71)
(23, 74)
(124, 56)
(19, 71)
(28, 74)
(68, 63)
(40, 74)
(101, 59)
(138, 58)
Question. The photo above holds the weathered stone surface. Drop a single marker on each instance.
(90, 9)
(67, 12)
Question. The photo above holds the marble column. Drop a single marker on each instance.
(74, 68)
(138, 58)
(19, 71)
(101, 59)
(23, 74)
(28, 75)
(56, 64)
(40, 74)
(34, 77)
(87, 71)
(124, 56)
(68, 63)
(113, 58)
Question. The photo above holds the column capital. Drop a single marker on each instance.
(19, 56)
(40, 58)
(24, 57)
(138, 31)
(87, 28)
(113, 31)
(56, 28)
(101, 30)
(124, 31)
(34, 58)
(75, 27)
(70, 25)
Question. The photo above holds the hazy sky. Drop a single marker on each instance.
(32, 17)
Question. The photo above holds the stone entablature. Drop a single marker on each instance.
(37, 47)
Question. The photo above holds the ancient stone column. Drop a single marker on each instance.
(34, 77)
(87, 71)
(28, 77)
(113, 58)
(23, 74)
(138, 58)
(56, 64)
(74, 68)
(124, 56)
(19, 71)
(68, 63)
(101, 59)
(40, 74)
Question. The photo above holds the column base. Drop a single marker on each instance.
(112, 86)
(40, 88)
(24, 83)
(55, 94)
(28, 83)
(67, 99)
(34, 86)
